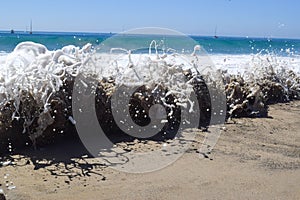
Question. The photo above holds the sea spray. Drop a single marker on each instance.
(36, 83)
(265, 80)
(30, 76)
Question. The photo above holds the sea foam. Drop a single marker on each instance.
(32, 71)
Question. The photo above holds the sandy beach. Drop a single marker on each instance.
(255, 158)
(149, 100)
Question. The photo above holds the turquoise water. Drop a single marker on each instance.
(221, 45)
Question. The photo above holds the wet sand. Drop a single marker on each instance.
(255, 158)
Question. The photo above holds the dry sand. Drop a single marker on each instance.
(253, 159)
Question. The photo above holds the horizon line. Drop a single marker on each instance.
(113, 33)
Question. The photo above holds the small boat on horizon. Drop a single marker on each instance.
(30, 32)
(215, 36)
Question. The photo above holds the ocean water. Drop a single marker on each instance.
(51, 40)
(221, 45)
(231, 53)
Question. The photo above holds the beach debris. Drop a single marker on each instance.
(2, 195)
(9, 184)
(6, 163)
(11, 187)
(6, 176)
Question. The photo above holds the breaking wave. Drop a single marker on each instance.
(36, 83)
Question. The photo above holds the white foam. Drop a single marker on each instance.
(239, 64)
(33, 68)
(151, 70)
(2, 58)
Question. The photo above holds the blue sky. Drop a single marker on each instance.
(262, 18)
